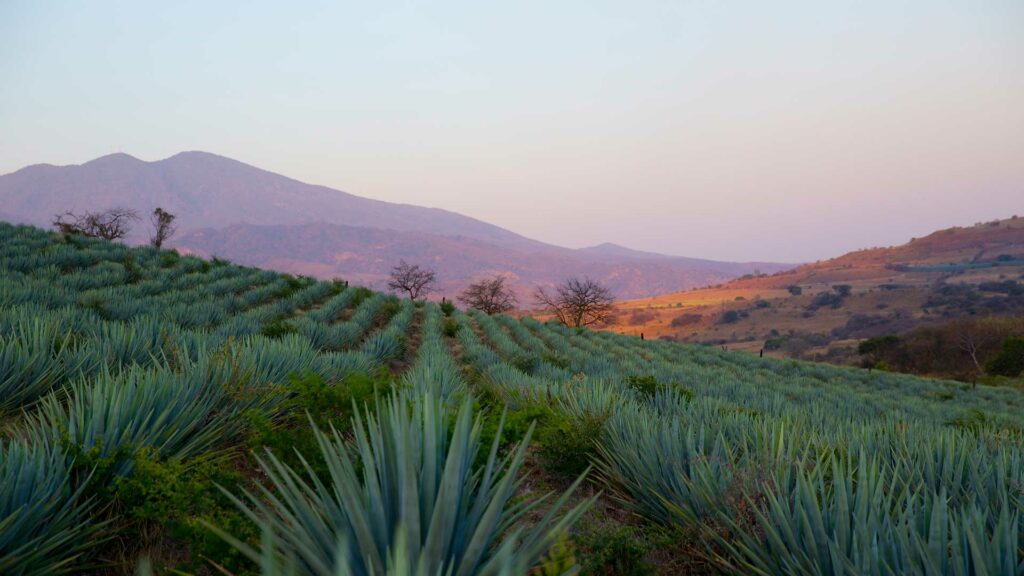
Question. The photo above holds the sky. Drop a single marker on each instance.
(782, 131)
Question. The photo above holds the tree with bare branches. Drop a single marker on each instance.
(578, 302)
(112, 224)
(412, 279)
(490, 295)
(163, 227)
(972, 338)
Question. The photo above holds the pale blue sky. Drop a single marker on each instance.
(736, 130)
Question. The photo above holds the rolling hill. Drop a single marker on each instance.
(233, 210)
(956, 272)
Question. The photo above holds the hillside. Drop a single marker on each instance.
(136, 384)
(957, 272)
(230, 209)
(366, 255)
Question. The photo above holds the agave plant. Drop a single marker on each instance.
(406, 499)
(43, 522)
(178, 413)
(34, 357)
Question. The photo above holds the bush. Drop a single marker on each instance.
(313, 399)
(1009, 287)
(823, 299)
(685, 320)
(169, 258)
(619, 552)
(181, 497)
(278, 328)
(877, 345)
(1010, 360)
(451, 327)
(730, 317)
(795, 290)
(567, 444)
(649, 386)
(447, 307)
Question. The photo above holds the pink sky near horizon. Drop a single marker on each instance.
(788, 132)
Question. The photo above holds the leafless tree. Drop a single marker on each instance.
(972, 338)
(412, 279)
(163, 227)
(578, 302)
(489, 295)
(112, 224)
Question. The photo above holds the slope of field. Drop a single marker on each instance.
(892, 290)
(234, 210)
(133, 382)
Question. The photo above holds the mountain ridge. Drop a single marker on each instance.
(210, 192)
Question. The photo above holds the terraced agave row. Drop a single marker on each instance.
(758, 466)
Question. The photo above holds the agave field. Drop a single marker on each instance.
(168, 414)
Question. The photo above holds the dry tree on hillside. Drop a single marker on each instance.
(112, 224)
(412, 279)
(490, 295)
(578, 302)
(163, 227)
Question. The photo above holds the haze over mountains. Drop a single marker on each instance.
(252, 216)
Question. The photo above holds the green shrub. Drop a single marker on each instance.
(182, 498)
(646, 385)
(168, 258)
(516, 424)
(310, 398)
(649, 386)
(614, 552)
(278, 328)
(447, 307)
(525, 363)
(730, 317)
(451, 327)
(1010, 360)
(567, 444)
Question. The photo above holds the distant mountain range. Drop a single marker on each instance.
(251, 216)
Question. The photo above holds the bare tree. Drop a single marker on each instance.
(412, 279)
(972, 338)
(489, 295)
(578, 302)
(113, 224)
(163, 227)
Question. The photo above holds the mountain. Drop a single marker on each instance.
(971, 271)
(206, 190)
(365, 255)
(249, 215)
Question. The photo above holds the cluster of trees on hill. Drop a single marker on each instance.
(967, 349)
(576, 302)
(115, 224)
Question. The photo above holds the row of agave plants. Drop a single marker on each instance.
(85, 388)
(767, 467)
(760, 466)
